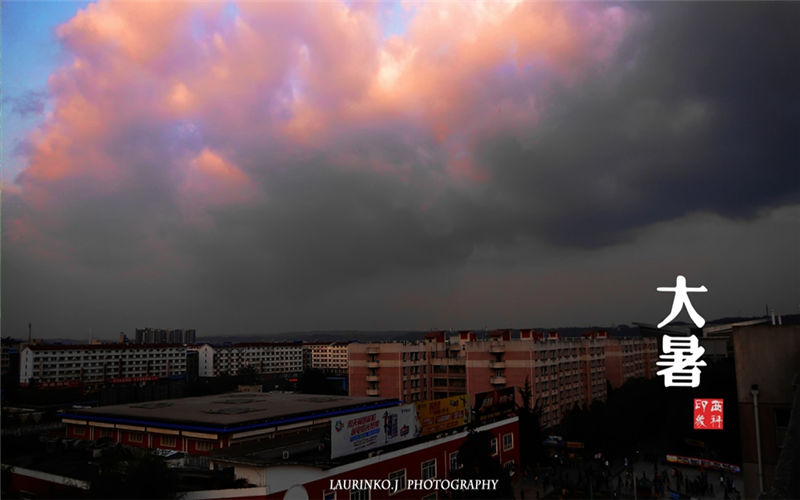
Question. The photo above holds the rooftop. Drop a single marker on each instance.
(231, 412)
(115, 346)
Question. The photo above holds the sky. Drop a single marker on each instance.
(261, 166)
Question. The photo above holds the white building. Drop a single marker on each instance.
(99, 363)
(328, 357)
(266, 357)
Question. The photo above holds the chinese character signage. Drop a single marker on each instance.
(682, 359)
(372, 429)
(708, 414)
(681, 354)
(442, 414)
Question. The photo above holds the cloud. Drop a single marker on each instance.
(282, 165)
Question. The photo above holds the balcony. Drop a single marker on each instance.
(372, 378)
(498, 381)
(372, 364)
(497, 348)
(372, 392)
(373, 350)
(497, 364)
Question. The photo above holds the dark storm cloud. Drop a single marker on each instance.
(700, 114)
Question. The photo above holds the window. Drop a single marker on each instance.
(493, 446)
(508, 441)
(509, 467)
(329, 495)
(203, 446)
(106, 433)
(168, 441)
(400, 477)
(429, 469)
(135, 437)
(454, 465)
(359, 494)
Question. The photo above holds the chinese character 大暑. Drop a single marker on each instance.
(682, 357)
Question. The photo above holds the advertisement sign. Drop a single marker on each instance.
(127, 380)
(442, 414)
(372, 429)
(702, 462)
(490, 405)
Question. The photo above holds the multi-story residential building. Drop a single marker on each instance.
(331, 358)
(398, 368)
(563, 372)
(628, 358)
(162, 336)
(99, 363)
(268, 358)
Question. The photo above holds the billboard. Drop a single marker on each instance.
(442, 414)
(368, 430)
(490, 405)
(702, 462)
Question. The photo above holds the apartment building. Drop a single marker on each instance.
(268, 358)
(163, 336)
(99, 363)
(563, 372)
(330, 358)
(628, 358)
(398, 368)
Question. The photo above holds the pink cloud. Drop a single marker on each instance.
(298, 75)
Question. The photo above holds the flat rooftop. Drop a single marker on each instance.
(236, 411)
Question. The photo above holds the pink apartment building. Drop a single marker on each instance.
(563, 372)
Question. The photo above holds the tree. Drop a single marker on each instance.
(476, 462)
(530, 428)
(315, 382)
(248, 375)
(122, 474)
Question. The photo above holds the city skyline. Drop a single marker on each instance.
(266, 167)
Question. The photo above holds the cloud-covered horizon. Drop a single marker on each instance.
(288, 166)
